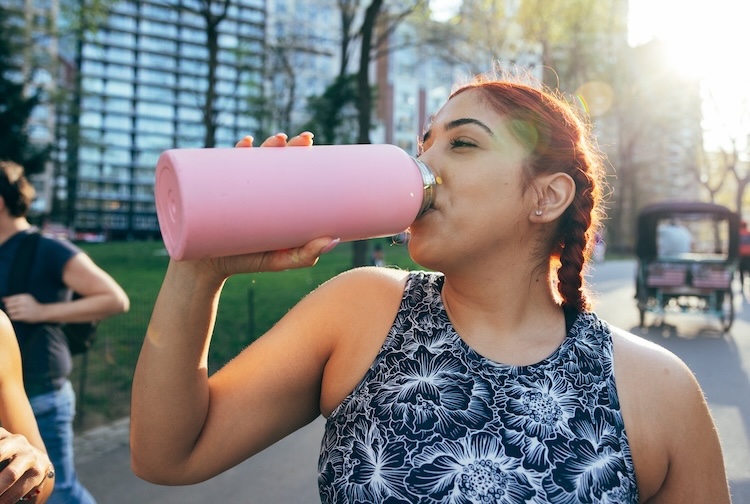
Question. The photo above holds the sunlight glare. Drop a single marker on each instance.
(706, 40)
(443, 10)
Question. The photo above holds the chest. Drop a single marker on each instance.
(432, 419)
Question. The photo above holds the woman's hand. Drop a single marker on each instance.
(304, 139)
(278, 260)
(25, 470)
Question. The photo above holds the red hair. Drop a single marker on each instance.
(559, 140)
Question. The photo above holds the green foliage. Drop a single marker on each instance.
(333, 114)
(18, 98)
(80, 17)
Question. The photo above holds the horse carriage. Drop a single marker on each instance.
(687, 259)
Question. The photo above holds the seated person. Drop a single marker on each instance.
(673, 239)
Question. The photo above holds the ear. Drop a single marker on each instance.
(554, 193)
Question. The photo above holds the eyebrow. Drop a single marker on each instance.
(460, 122)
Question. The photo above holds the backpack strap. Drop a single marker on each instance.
(20, 270)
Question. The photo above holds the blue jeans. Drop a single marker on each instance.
(54, 413)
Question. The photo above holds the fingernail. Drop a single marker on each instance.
(330, 246)
(307, 133)
(245, 141)
(282, 135)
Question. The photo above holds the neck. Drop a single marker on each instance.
(509, 315)
(12, 225)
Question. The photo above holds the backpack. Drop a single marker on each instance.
(80, 335)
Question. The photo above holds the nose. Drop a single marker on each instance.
(431, 164)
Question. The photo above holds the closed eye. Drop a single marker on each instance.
(458, 142)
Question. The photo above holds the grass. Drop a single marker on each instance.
(250, 305)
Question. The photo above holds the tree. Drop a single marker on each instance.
(655, 140)
(480, 33)
(731, 157)
(373, 20)
(329, 112)
(333, 116)
(18, 98)
(213, 13)
(576, 39)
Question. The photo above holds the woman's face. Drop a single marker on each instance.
(480, 208)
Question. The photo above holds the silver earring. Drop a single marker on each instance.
(538, 212)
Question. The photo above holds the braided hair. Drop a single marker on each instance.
(559, 140)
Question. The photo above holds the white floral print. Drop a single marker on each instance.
(435, 422)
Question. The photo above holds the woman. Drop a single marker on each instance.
(489, 381)
(27, 472)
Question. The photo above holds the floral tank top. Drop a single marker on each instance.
(433, 421)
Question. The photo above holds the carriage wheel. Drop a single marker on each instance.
(642, 312)
(727, 310)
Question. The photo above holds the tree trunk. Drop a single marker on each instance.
(209, 112)
(364, 104)
(212, 41)
(74, 135)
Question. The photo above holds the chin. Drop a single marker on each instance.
(421, 254)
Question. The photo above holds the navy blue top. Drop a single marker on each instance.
(45, 355)
(433, 421)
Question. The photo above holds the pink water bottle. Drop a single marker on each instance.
(226, 201)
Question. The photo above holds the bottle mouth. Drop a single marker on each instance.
(428, 189)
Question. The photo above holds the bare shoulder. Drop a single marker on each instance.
(647, 359)
(368, 276)
(653, 381)
(361, 306)
(671, 433)
(366, 285)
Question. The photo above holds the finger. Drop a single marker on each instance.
(304, 139)
(19, 478)
(301, 257)
(278, 140)
(247, 141)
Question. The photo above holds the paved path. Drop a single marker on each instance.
(285, 472)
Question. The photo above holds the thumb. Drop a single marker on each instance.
(304, 256)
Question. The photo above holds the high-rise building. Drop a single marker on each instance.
(144, 77)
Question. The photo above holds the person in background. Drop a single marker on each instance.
(744, 254)
(673, 239)
(378, 256)
(59, 267)
(486, 378)
(27, 473)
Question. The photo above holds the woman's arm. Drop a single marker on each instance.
(101, 297)
(673, 439)
(187, 427)
(28, 471)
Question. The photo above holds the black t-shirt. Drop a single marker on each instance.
(44, 350)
